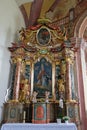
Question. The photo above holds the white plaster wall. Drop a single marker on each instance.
(20, 2)
(11, 20)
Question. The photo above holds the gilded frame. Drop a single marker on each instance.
(52, 76)
(43, 36)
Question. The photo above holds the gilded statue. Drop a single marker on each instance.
(61, 85)
(24, 95)
(63, 67)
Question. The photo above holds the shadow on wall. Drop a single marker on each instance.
(11, 35)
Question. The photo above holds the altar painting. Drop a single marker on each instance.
(43, 77)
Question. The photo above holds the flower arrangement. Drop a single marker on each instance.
(66, 118)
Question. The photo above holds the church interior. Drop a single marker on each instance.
(46, 73)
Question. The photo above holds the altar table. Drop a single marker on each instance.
(29, 126)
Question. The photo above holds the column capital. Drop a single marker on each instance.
(70, 56)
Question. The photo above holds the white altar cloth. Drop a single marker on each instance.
(30, 126)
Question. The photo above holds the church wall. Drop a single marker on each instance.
(11, 20)
(84, 71)
(81, 69)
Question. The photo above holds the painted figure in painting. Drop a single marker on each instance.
(42, 77)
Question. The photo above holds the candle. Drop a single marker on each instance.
(24, 115)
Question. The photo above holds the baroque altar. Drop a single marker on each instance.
(42, 85)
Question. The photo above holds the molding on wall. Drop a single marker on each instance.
(78, 27)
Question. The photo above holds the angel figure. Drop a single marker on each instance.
(47, 93)
(34, 97)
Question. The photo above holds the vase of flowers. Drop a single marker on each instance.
(66, 119)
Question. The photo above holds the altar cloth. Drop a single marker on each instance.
(30, 126)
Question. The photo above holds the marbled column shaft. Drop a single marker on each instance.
(17, 81)
(68, 84)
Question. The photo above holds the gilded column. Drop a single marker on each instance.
(69, 62)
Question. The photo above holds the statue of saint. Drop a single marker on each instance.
(61, 103)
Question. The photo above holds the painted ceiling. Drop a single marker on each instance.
(51, 9)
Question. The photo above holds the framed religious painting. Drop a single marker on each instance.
(43, 36)
(42, 78)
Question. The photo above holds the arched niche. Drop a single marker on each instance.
(81, 25)
(80, 33)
